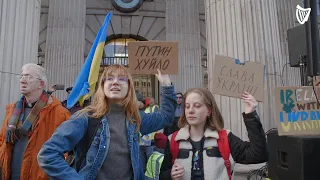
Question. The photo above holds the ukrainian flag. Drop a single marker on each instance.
(88, 77)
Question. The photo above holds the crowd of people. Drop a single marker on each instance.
(118, 134)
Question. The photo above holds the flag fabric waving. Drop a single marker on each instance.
(88, 77)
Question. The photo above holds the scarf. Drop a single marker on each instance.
(19, 127)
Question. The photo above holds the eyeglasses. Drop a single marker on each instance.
(121, 79)
(27, 77)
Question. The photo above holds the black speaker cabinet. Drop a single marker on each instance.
(296, 44)
(293, 157)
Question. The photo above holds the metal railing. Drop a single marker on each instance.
(106, 61)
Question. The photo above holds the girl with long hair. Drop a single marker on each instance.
(114, 151)
(194, 152)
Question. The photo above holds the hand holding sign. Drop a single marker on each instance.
(250, 102)
(164, 79)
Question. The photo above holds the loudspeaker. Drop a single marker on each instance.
(293, 157)
(296, 44)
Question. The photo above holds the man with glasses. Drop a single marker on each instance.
(28, 124)
(174, 127)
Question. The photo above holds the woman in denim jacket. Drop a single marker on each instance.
(114, 151)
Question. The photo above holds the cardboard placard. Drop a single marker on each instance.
(297, 111)
(145, 57)
(231, 79)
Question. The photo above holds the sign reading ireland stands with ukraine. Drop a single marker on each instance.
(297, 110)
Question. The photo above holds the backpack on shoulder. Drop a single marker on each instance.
(223, 145)
(93, 125)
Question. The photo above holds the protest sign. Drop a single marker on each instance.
(297, 111)
(145, 57)
(232, 79)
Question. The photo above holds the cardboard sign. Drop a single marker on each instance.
(232, 79)
(145, 57)
(297, 111)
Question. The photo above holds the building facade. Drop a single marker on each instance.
(146, 21)
(58, 35)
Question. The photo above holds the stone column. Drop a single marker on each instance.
(19, 34)
(248, 30)
(182, 25)
(64, 54)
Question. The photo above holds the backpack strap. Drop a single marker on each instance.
(223, 145)
(93, 126)
(154, 107)
(174, 147)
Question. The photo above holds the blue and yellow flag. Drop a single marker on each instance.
(88, 77)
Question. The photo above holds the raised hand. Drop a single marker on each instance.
(163, 78)
(250, 103)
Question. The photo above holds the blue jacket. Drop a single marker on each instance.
(69, 134)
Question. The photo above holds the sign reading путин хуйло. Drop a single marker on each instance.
(297, 110)
(145, 57)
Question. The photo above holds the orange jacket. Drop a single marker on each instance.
(51, 116)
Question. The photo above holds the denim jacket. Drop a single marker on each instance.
(69, 134)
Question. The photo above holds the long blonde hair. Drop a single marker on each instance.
(215, 121)
(99, 105)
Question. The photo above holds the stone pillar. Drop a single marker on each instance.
(182, 25)
(64, 54)
(19, 34)
(248, 30)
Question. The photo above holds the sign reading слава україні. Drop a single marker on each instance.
(232, 79)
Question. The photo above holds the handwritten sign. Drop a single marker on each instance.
(297, 111)
(145, 57)
(232, 79)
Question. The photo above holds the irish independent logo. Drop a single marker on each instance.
(302, 14)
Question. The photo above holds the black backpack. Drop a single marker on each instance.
(93, 125)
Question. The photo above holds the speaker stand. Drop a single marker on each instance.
(303, 74)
